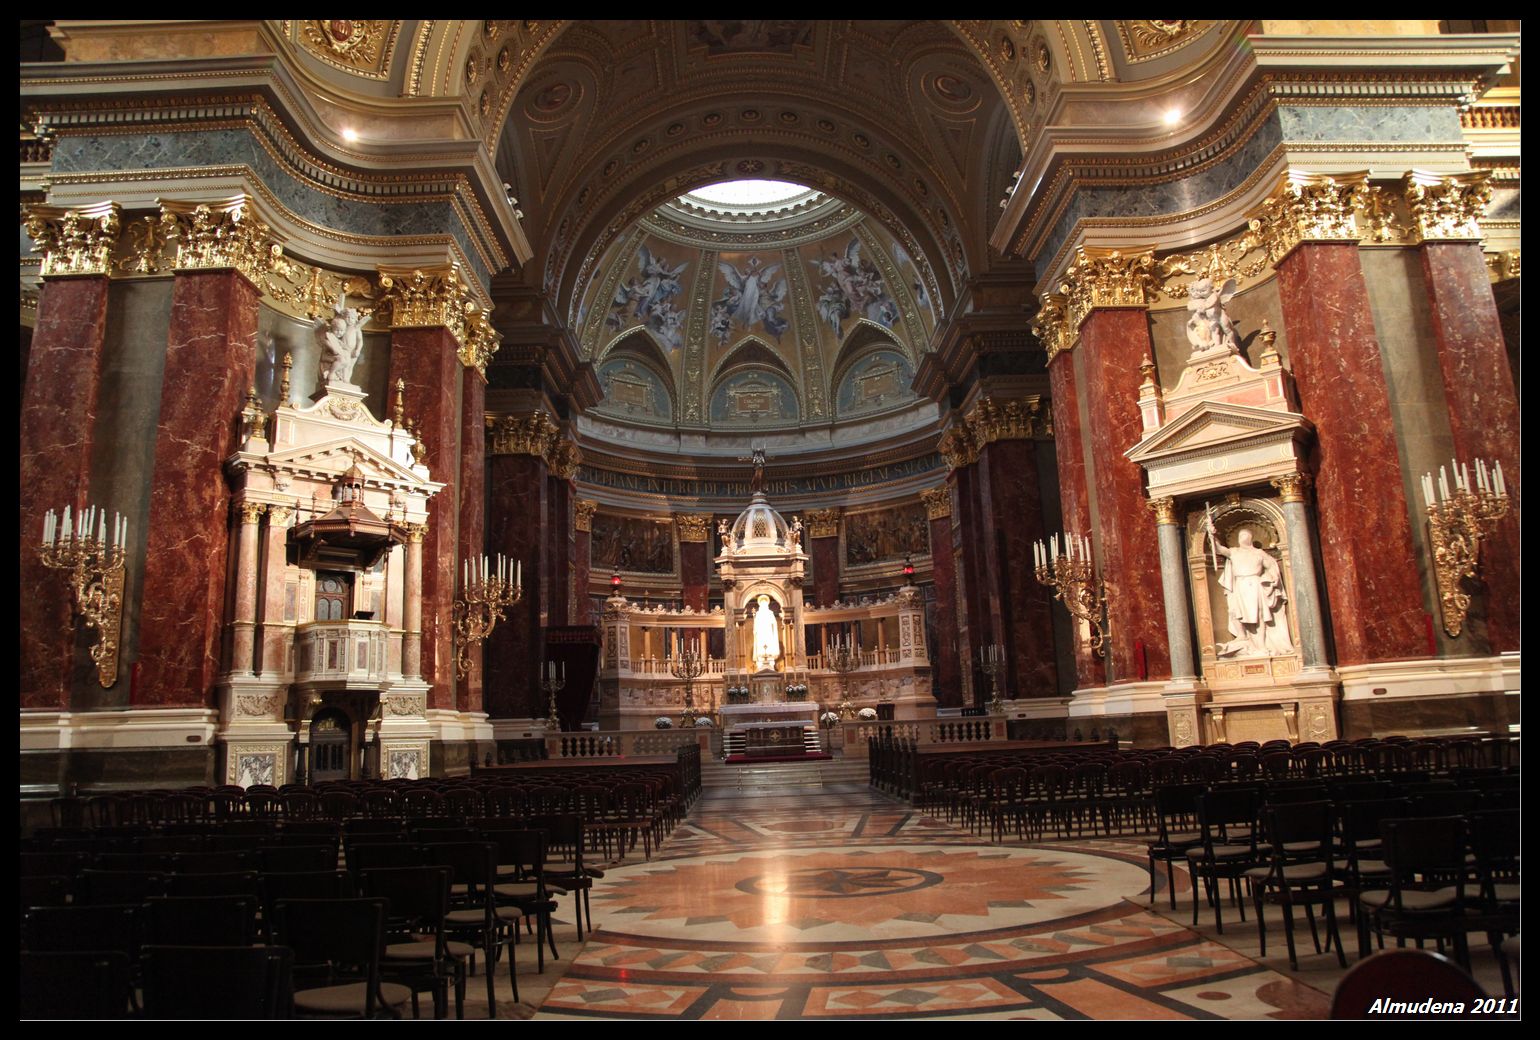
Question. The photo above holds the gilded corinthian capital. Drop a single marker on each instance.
(74, 241)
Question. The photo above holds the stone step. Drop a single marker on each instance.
(783, 774)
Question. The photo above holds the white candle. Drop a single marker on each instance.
(1497, 472)
(519, 575)
(564, 671)
(66, 521)
(101, 527)
(1443, 485)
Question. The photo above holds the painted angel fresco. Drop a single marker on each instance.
(750, 298)
(853, 288)
(649, 297)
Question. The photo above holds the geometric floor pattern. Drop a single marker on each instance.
(841, 903)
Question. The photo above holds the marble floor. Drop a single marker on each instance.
(843, 903)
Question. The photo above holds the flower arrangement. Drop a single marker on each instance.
(796, 691)
(663, 722)
(829, 719)
(867, 714)
(703, 722)
(738, 695)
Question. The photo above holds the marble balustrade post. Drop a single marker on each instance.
(244, 622)
(1173, 578)
(1307, 597)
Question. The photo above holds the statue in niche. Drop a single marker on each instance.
(341, 339)
(1209, 327)
(726, 535)
(796, 532)
(1253, 586)
(767, 638)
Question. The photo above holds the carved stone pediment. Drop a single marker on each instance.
(329, 459)
(1214, 447)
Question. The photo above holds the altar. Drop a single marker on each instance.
(771, 712)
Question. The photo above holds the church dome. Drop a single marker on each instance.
(759, 528)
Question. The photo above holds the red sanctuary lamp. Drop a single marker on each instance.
(908, 566)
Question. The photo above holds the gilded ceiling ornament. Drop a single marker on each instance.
(583, 514)
(1024, 418)
(823, 523)
(531, 434)
(354, 44)
(938, 502)
(1146, 38)
(1309, 208)
(693, 527)
(1446, 208)
(221, 235)
(74, 241)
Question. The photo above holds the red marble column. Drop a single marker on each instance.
(1113, 342)
(1013, 511)
(1074, 499)
(976, 625)
(559, 526)
(426, 360)
(1371, 580)
(582, 563)
(943, 569)
(473, 508)
(517, 488)
(1483, 409)
(693, 573)
(825, 554)
(210, 361)
(58, 416)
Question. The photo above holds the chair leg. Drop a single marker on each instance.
(1314, 936)
(1288, 933)
(1261, 924)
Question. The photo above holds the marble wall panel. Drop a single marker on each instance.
(1075, 517)
(58, 418)
(1015, 516)
(517, 486)
(1373, 591)
(472, 541)
(1053, 520)
(693, 572)
(944, 640)
(825, 560)
(209, 365)
(426, 361)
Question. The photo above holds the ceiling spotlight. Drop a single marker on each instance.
(349, 134)
(1173, 116)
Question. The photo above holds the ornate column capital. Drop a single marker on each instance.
(938, 502)
(1101, 278)
(530, 434)
(439, 297)
(693, 527)
(225, 234)
(1309, 208)
(564, 457)
(823, 523)
(1022, 418)
(1292, 487)
(583, 514)
(1446, 208)
(1051, 325)
(74, 242)
(279, 516)
(1165, 511)
(958, 446)
(251, 512)
(415, 533)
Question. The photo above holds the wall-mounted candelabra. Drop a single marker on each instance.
(687, 665)
(81, 545)
(1458, 520)
(553, 683)
(844, 658)
(1072, 576)
(485, 592)
(992, 663)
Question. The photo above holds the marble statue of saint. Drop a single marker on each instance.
(1209, 327)
(796, 532)
(726, 534)
(767, 638)
(341, 339)
(1253, 586)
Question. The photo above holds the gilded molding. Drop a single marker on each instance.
(1309, 208)
(938, 502)
(823, 523)
(1292, 487)
(221, 235)
(362, 46)
(440, 297)
(1165, 511)
(958, 447)
(693, 527)
(306, 291)
(1503, 266)
(1100, 278)
(1446, 208)
(1016, 419)
(583, 514)
(532, 434)
(564, 458)
(74, 242)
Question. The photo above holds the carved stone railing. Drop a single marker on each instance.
(342, 652)
(602, 744)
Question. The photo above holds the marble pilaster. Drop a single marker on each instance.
(473, 505)
(582, 562)
(211, 347)
(1020, 605)
(1372, 585)
(1173, 578)
(559, 499)
(693, 571)
(1074, 499)
(58, 416)
(517, 490)
(1307, 597)
(943, 569)
(823, 541)
(276, 636)
(411, 618)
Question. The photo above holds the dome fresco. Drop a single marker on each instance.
(793, 322)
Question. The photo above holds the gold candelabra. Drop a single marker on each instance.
(95, 567)
(844, 658)
(992, 662)
(485, 592)
(552, 684)
(1072, 576)
(1458, 520)
(687, 666)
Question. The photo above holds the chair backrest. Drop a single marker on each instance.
(1427, 852)
(93, 984)
(334, 933)
(217, 982)
(58, 929)
(370, 856)
(1228, 815)
(1393, 983)
(307, 884)
(524, 850)
(417, 898)
(1290, 825)
(201, 920)
(231, 883)
(103, 887)
(291, 858)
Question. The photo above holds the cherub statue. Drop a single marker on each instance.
(1209, 327)
(725, 533)
(341, 339)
